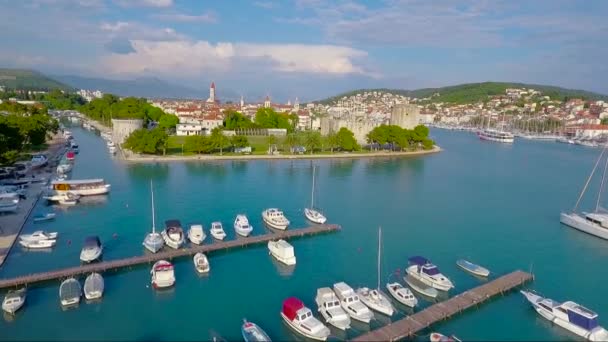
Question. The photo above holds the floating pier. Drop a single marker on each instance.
(168, 254)
(435, 313)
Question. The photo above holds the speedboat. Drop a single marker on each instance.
(61, 197)
(253, 333)
(376, 300)
(173, 234)
(196, 234)
(38, 244)
(300, 318)
(473, 268)
(14, 300)
(201, 263)
(421, 287)
(242, 226)
(282, 251)
(568, 315)
(91, 250)
(70, 292)
(93, 286)
(422, 269)
(402, 294)
(110, 144)
(163, 274)
(217, 230)
(153, 241)
(275, 218)
(37, 236)
(350, 302)
(330, 308)
(44, 217)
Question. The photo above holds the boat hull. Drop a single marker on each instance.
(506, 140)
(577, 222)
(243, 231)
(473, 269)
(411, 271)
(90, 256)
(314, 216)
(381, 304)
(279, 226)
(428, 291)
(153, 242)
(302, 331)
(218, 235)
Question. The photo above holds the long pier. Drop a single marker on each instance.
(410, 325)
(165, 255)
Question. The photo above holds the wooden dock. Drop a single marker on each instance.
(435, 313)
(168, 254)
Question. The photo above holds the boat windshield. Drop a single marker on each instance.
(432, 270)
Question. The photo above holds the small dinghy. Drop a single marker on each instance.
(402, 294)
(253, 333)
(14, 300)
(196, 234)
(38, 235)
(473, 268)
(420, 287)
(201, 263)
(44, 217)
(38, 244)
(93, 286)
(217, 230)
(70, 292)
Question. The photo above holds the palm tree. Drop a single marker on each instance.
(312, 140)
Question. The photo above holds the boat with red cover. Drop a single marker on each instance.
(300, 318)
(70, 156)
(163, 274)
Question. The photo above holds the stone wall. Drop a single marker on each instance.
(405, 116)
(121, 129)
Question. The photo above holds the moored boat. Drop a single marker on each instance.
(14, 300)
(568, 315)
(70, 156)
(38, 244)
(242, 226)
(421, 287)
(44, 217)
(153, 241)
(438, 337)
(201, 263)
(93, 286)
(196, 234)
(312, 214)
(282, 251)
(253, 333)
(300, 318)
(402, 294)
(82, 187)
(217, 230)
(70, 292)
(38, 235)
(423, 270)
(495, 135)
(275, 218)
(173, 234)
(91, 250)
(9, 202)
(473, 268)
(38, 161)
(351, 303)
(329, 306)
(163, 274)
(64, 168)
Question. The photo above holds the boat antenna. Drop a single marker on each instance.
(599, 194)
(153, 216)
(379, 247)
(578, 201)
(312, 191)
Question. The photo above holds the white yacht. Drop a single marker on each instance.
(38, 244)
(196, 234)
(173, 234)
(282, 251)
(37, 236)
(201, 263)
(330, 308)
(14, 300)
(163, 274)
(217, 230)
(350, 302)
(153, 241)
(300, 318)
(275, 218)
(83, 187)
(311, 213)
(91, 250)
(422, 269)
(242, 226)
(568, 315)
(402, 294)
(70, 292)
(93, 286)
(9, 202)
(64, 168)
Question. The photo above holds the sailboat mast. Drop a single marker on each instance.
(599, 194)
(379, 246)
(312, 191)
(578, 201)
(153, 214)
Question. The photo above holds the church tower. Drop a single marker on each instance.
(211, 98)
(296, 105)
(267, 102)
(242, 102)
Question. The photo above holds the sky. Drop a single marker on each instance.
(312, 48)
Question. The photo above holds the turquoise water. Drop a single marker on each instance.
(497, 205)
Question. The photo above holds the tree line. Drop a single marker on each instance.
(402, 138)
(264, 118)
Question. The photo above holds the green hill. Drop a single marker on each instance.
(474, 92)
(29, 80)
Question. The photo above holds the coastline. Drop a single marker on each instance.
(133, 158)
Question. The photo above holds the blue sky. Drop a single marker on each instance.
(312, 48)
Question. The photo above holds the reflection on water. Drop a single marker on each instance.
(282, 269)
(341, 167)
(93, 200)
(147, 171)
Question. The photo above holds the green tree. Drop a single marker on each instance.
(331, 140)
(198, 144)
(292, 140)
(346, 140)
(147, 141)
(168, 121)
(219, 140)
(268, 118)
(271, 140)
(239, 141)
(235, 120)
(312, 140)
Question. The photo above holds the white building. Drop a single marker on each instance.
(211, 98)
(187, 129)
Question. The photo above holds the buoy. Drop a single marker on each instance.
(359, 249)
(69, 242)
(115, 235)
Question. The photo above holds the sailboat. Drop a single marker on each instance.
(493, 134)
(374, 298)
(153, 241)
(595, 223)
(311, 213)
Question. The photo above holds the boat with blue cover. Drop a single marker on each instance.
(422, 269)
(473, 268)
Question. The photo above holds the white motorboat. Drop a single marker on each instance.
(70, 292)
(61, 198)
(201, 263)
(39, 160)
(350, 302)
(438, 337)
(421, 287)
(473, 268)
(91, 250)
(14, 300)
(374, 298)
(311, 213)
(44, 217)
(173, 234)
(153, 241)
(67, 134)
(83, 187)
(111, 144)
(38, 235)
(9, 202)
(242, 226)
(300, 318)
(402, 294)
(282, 251)
(275, 218)
(112, 149)
(93, 286)
(38, 244)
(495, 135)
(163, 274)
(423, 270)
(217, 230)
(253, 333)
(196, 234)
(330, 308)
(64, 168)
(568, 315)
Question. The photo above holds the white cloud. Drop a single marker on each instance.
(138, 31)
(188, 57)
(208, 17)
(144, 3)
